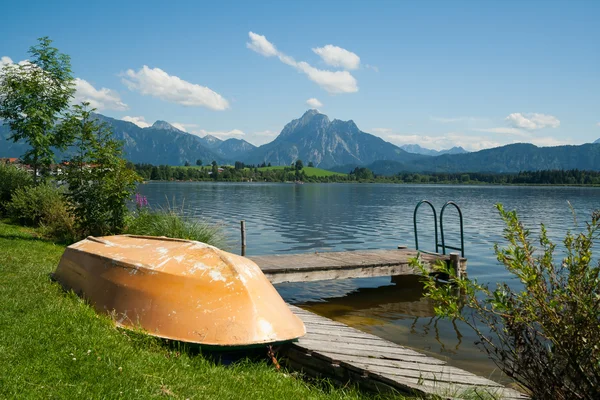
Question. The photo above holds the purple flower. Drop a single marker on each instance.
(140, 201)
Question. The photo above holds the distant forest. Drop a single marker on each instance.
(252, 173)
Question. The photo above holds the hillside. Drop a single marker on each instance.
(334, 145)
(160, 143)
(510, 158)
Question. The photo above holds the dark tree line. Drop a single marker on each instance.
(241, 172)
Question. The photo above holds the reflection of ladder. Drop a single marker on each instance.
(443, 245)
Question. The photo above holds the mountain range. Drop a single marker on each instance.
(315, 138)
(330, 144)
(416, 149)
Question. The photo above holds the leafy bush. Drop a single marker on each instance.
(59, 224)
(11, 179)
(32, 205)
(169, 222)
(44, 206)
(99, 181)
(546, 335)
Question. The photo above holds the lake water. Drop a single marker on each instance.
(287, 218)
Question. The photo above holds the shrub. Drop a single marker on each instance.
(44, 206)
(59, 223)
(32, 205)
(11, 179)
(544, 336)
(171, 223)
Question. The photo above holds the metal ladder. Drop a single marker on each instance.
(442, 245)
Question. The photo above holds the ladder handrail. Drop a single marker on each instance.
(434, 222)
(462, 234)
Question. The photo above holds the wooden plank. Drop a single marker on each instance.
(334, 350)
(455, 390)
(325, 349)
(320, 367)
(340, 345)
(467, 379)
(307, 267)
(443, 368)
(348, 339)
(323, 274)
(342, 333)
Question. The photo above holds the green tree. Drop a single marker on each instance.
(299, 165)
(199, 162)
(542, 330)
(33, 96)
(215, 171)
(187, 164)
(99, 182)
(310, 164)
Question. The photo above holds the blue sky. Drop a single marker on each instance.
(475, 74)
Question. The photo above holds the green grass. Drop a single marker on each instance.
(309, 171)
(53, 345)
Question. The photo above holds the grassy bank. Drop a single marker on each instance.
(53, 345)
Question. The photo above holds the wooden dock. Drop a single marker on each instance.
(336, 351)
(307, 267)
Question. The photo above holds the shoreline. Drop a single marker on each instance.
(384, 183)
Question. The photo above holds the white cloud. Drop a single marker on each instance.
(100, 99)
(314, 103)
(261, 45)
(103, 99)
(337, 57)
(179, 126)
(220, 134)
(331, 81)
(261, 137)
(373, 67)
(438, 142)
(139, 121)
(157, 83)
(4, 60)
(183, 126)
(532, 121)
(548, 141)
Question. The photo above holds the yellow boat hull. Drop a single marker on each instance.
(178, 289)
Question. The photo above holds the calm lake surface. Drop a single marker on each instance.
(287, 218)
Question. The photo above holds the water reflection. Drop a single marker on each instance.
(399, 312)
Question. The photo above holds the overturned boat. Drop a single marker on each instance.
(178, 289)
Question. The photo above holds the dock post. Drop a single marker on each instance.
(243, 231)
(455, 262)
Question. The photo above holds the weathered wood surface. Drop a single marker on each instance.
(316, 266)
(336, 351)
